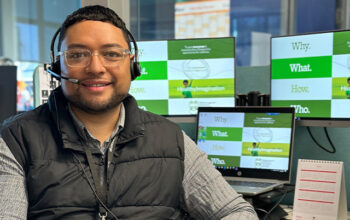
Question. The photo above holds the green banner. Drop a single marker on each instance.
(308, 67)
(307, 108)
(341, 42)
(153, 70)
(201, 49)
(201, 88)
(270, 120)
(225, 161)
(159, 107)
(340, 88)
(220, 134)
(265, 149)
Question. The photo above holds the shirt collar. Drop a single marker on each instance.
(84, 132)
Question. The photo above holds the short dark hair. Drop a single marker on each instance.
(93, 13)
(185, 81)
(348, 79)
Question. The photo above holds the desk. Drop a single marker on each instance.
(264, 202)
(289, 210)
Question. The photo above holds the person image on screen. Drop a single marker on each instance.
(255, 149)
(186, 91)
(347, 91)
(91, 153)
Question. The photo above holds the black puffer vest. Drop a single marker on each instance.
(144, 179)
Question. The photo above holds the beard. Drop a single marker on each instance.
(92, 106)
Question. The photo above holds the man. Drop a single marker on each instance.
(347, 91)
(91, 153)
(255, 149)
(186, 91)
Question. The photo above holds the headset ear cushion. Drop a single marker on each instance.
(56, 67)
(135, 70)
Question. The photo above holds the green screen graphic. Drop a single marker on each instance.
(153, 70)
(309, 67)
(156, 106)
(202, 88)
(265, 149)
(220, 134)
(267, 120)
(224, 161)
(341, 43)
(340, 88)
(200, 49)
(307, 108)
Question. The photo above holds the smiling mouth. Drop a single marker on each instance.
(96, 85)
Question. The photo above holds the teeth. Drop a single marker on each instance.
(97, 85)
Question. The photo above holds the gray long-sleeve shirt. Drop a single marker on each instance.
(207, 194)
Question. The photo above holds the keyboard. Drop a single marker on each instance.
(249, 183)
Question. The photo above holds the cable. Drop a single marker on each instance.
(261, 210)
(329, 140)
(277, 203)
(93, 189)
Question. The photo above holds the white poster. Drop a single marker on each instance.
(196, 19)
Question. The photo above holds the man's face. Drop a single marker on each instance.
(101, 87)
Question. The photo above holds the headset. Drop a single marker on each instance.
(55, 69)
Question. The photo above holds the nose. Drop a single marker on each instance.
(96, 66)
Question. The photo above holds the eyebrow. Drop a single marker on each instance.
(112, 45)
(71, 46)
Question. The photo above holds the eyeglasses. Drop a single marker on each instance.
(80, 57)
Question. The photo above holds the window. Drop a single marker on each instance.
(252, 22)
(26, 28)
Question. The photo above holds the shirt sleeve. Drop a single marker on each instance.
(207, 194)
(13, 193)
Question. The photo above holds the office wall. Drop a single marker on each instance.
(305, 148)
(258, 79)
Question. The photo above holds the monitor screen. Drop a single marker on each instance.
(311, 72)
(178, 76)
(8, 88)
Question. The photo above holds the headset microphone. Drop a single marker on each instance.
(47, 68)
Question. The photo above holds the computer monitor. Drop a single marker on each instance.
(178, 76)
(311, 72)
(250, 142)
(8, 86)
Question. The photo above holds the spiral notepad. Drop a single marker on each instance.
(320, 191)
